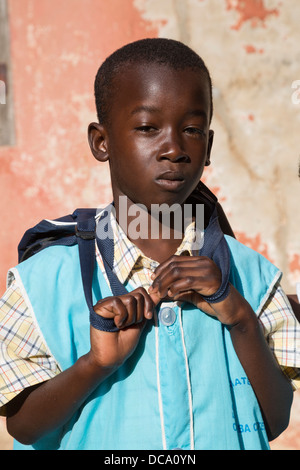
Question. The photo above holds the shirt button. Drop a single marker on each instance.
(167, 316)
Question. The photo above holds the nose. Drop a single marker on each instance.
(171, 148)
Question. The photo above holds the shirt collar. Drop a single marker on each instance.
(127, 256)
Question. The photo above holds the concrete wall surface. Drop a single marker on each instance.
(252, 48)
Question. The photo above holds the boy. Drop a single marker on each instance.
(187, 367)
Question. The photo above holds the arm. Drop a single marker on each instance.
(185, 279)
(43, 408)
(272, 389)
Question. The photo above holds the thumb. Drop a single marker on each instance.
(155, 298)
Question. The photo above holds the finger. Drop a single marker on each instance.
(163, 282)
(126, 309)
(178, 262)
(139, 306)
(182, 267)
(148, 305)
(131, 304)
(169, 263)
(166, 273)
(155, 297)
(186, 285)
(184, 260)
(112, 307)
(202, 285)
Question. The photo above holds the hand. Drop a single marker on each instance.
(130, 312)
(186, 278)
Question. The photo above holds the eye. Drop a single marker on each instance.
(195, 131)
(145, 129)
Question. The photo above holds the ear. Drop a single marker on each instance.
(209, 146)
(97, 138)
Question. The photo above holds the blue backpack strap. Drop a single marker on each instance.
(106, 248)
(216, 248)
(77, 228)
(45, 234)
(86, 235)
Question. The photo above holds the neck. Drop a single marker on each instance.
(157, 233)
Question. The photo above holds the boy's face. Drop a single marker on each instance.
(158, 139)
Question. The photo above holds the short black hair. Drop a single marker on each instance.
(169, 52)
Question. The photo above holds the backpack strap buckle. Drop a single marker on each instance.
(85, 235)
(86, 229)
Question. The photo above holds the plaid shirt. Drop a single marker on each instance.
(26, 361)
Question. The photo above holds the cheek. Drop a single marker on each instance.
(125, 150)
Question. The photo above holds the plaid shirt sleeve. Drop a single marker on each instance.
(282, 332)
(24, 357)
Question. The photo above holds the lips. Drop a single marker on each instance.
(170, 180)
(171, 176)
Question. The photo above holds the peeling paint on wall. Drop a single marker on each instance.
(250, 49)
(253, 11)
(255, 243)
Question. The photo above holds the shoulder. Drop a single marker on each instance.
(48, 269)
(51, 257)
(237, 247)
(246, 258)
(251, 273)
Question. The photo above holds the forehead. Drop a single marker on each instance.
(135, 84)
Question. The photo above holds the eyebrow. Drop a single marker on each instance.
(145, 108)
(153, 109)
(197, 112)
